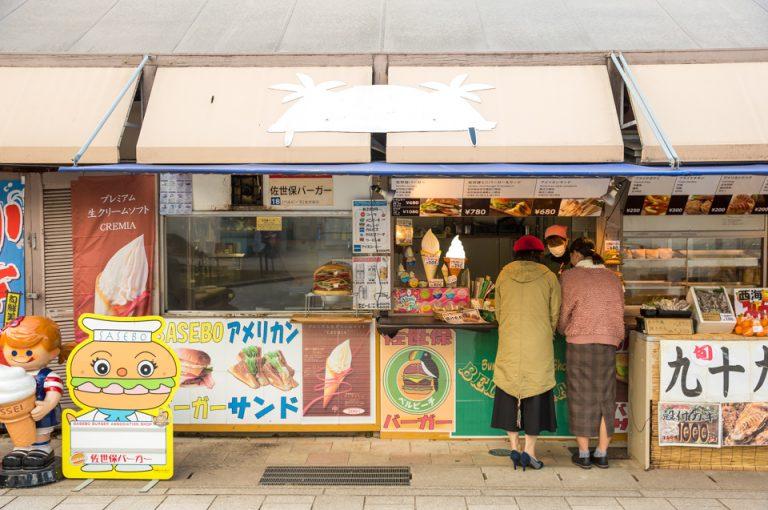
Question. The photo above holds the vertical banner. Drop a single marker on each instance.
(417, 381)
(122, 378)
(12, 285)
(113, 241)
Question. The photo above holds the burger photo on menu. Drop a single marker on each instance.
(332, 279)
(196, 368)
(440, 207)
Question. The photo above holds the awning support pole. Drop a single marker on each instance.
(105, 118)
(629, 80)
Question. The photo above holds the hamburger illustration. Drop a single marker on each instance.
(420, 375)
(333, 279)
(196, 368)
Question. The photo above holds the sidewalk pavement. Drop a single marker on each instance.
(223, 474)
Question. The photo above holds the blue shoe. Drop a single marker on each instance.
(516, 459)
(532, 462)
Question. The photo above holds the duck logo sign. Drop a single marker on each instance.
(381, 108)
(123, 379)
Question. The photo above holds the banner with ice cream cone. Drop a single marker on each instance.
(113, 244)
(123, 379)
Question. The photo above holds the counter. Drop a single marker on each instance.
(654, 386)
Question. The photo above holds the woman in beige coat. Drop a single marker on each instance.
(527, 308)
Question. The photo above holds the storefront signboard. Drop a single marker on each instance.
(417, 381)
(371, 283)
(370, 226)
(753, 301)
(175, 193)
(689, 424)
(273, 372)
(12, 274)
(302, 191)
(122, 379)
(712, 371)
(113, 245)
(697, 195)
(499, 197)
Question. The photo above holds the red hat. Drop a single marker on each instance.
(556, 230)
(528, 243)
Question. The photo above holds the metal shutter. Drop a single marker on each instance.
(57, 267)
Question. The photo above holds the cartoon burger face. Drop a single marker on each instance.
(122, 367)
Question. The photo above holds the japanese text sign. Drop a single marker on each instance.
(709, 371)
(289, 191)
(417, 380)
(11, 249)
(272, 371)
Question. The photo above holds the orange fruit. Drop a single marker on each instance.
(749, 332)
(761, 333)
(764, 322)
(738, 330)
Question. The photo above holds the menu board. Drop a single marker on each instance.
(517, 197)
(175, 193)
(370, 226)
(697, 195)
(371, 287)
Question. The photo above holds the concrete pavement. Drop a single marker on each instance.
(223, 473)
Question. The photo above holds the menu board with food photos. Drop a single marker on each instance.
(697, 195)
(517, 197)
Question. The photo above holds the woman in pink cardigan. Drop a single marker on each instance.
(592, 320)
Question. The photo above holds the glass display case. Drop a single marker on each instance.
(658, 266)
(235, 262)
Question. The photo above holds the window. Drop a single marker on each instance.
(223, 263)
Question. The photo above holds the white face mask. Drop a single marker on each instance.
(557, 251)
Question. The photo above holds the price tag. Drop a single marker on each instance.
(546, 207)
(475, 207)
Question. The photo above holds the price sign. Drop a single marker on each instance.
(546, 207)
(475, 207)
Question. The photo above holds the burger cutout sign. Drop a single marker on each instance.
(123, 379)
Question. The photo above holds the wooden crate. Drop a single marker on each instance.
(730, 458)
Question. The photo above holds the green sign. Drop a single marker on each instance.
(475, 356)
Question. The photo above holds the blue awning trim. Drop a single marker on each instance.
(379, 168)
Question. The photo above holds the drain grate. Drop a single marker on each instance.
(336, 475)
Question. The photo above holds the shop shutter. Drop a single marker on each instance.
(57, 263)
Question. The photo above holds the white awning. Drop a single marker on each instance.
(47, 113)
(542, 114)
(199, 115)
(709, 112)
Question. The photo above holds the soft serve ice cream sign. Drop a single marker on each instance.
(380, 108)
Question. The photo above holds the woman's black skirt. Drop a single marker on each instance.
(537, 413)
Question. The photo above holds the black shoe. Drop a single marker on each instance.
(601, 462)
(582, 462)
(516, 459)
(37, 459)
(13, 460)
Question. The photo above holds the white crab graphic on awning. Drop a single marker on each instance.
(380, 108)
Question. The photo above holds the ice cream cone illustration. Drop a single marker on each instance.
(337, 367)
(456, 257)
(122, 285)
(17, 399)
(430, 254)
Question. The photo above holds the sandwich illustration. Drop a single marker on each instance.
(440, 207)
(337, 366)
(511, 206)
(332, 279)
(269, 369)
(420, 375)
(196, 368)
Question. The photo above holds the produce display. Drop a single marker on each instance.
(713, 310)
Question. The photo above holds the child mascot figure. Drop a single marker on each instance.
(31, 343)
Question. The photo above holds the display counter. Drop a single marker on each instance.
(698, 401)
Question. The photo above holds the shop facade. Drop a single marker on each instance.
(291, 269)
